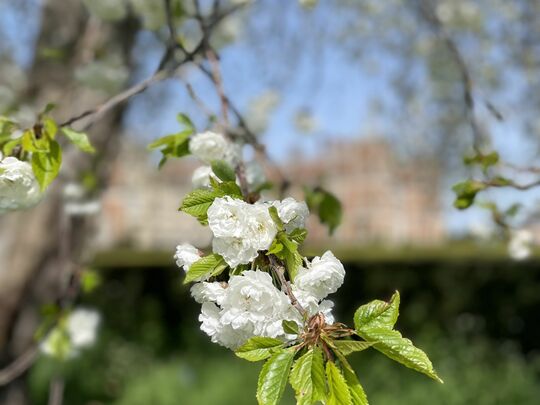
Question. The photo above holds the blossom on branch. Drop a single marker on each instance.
(19, 188)
(186, 255)
(323, 276)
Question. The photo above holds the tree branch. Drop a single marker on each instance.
(279, 270)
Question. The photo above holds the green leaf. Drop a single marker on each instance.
(347, 347)
(273, 377)
(10, 146)
(326, 205)
(358, 395)
(223, 171)
(290, 254)
(48, 108)
(308, 379)
(339, 393)
(485, 161)
(298, 235)
(184, 120)
(172, 146)
(330, 211)
(275, 248)
(290, 327)
(198, 201)
(47, 165)
(258, 348)
(79, 139)
(31, 144)
(90, 280)
(50, 128)
(229, 188)
(275, 217)
(211, 265)
(466, 193)
(375, 321)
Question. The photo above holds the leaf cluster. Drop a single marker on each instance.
(321, 371)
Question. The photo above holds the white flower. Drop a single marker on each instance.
(262, 228)
(292, 213)
(519, 247)
(201, 177)
(82, 327)
(323, 276)
(227, 217)
(219, 333)
(19, 188)
(240, 229)
(78, 332)
(208, 292)
(254, 305)
(209, 146)
(186, 255)
(82, 208)
(234, 251)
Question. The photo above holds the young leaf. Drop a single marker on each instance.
(358, 396)
(258, 348)
(290, 254)
(184, 120)
(223, 171)
(308, 379)
(298, 235)
(375, 321)
(290, 327)
(198, 201)
(273, 377)
(211, 265)
(326, 205)
(79, 139)
(175, 145)
(330, 211)
(466, 193)
(47, 165)
(338, 391)
(31, 144)
(275, 217)
(347, 347)
(50, 128)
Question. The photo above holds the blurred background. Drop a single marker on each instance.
(362, 97)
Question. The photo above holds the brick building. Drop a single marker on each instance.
(385, 200)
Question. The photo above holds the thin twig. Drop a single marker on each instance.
(19, 365)
(468, 98)
(279, 271)
(96, 112)
(56, 391)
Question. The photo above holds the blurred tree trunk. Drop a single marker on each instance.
(30, 251)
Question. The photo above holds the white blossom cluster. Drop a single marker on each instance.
(19, 188)
(210, 147)
(249, 303)
(520, 245)
(78, 332)
(241, 230)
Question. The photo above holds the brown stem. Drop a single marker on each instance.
(56, 391)
(279, 271)
(19, 366)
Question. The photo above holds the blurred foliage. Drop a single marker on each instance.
(475, 315)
